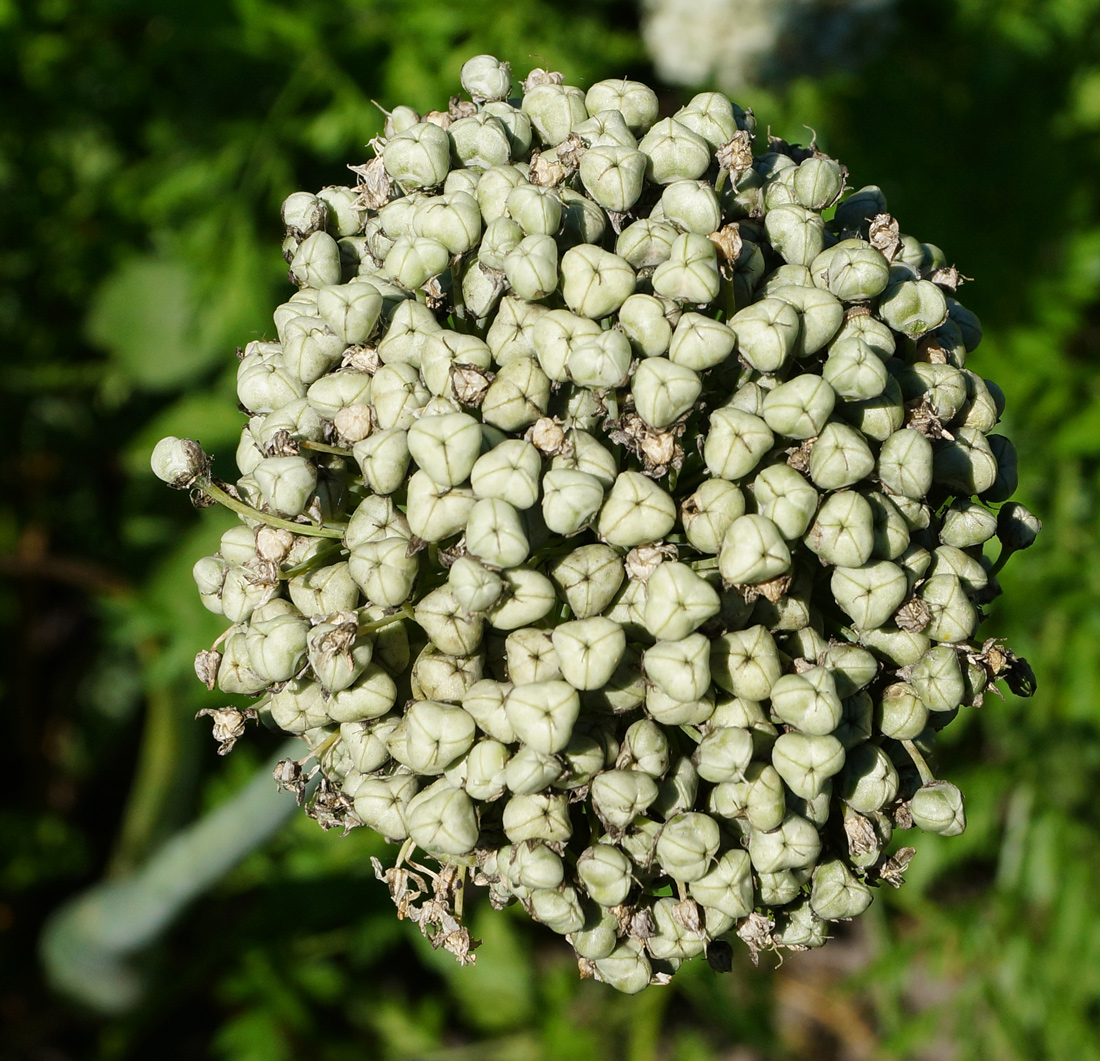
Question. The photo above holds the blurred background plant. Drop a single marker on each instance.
(145, 147)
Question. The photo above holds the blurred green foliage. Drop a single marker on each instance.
(145, 146)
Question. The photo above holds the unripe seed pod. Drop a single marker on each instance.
(614, 176)
(806, 762)
(636, 102)
(554, 110)
(913, 307)
(800, 407)
(753, 551)
(745, 662)
(937, 807)
(442, 820)
(735, 443)
(527, 596)
(605, 873)
(589, 650)
(646, 243)
(727, 886)
(794, 845)
(674, 152)
(767, 333)
(692, 206)
(837, 894)
(619, 796)
(418, 157)
(808, 701)
(690, 274)
(840, 457)
(843, 531)
(677, 602)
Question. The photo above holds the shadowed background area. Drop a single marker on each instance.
(145, 147)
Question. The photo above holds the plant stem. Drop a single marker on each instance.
(230, 502)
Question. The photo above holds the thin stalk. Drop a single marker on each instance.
(324, 447)
(218, 494)
(919, 762)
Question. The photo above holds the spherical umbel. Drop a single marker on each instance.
(620, 507)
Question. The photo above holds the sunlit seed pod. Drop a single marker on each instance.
(967, 523)
(413, 260)
(448, 625)
(380, 803)
(437, 512)
(516, 124)
(663, 391)
(397, 394)
(753, 551)
(636, 102)
(794, 845)
(808, 701)
(765, 804)
(297, 707)
(678, 790)
(947, 560)
(871, 593)
(678, 601)
(876, 418)
(785, 497)
(692, 206)
(509, 472)
(310, 348)
(821, 315)
(436, 734)
(484, 702)
(371, 696)
(966, 463)
(674, 152)
(714, 117)
(554, 110)
(316, 262)
(626, 968)
(646, 243)
(531, 656)
(209, 575)
(418, 157)
(779, 889)
(599, 936)
(1016, 527)
(479, 140)
(438, 676)
(543, 713)
(891, 530)
(613, 175)
(266, 385)
(869, 780)
(745, 663)
(493, 189)
(840, 457)
(588, 456)
(895, 646)
(854, 370)
(687, 845)
(708, 512)
(818, 182)
(528, 595)
(938, 679)
(606, 874)
(842, 532)
(645, 747)
(680, 668)
(536, 210)
(913, 307)
(766, 333)
(800, 407)
(453, 220)
(953, 617)
(377, 517)
(599, 361)
(806, 762)
(445, 447)
(942, 388)
(553, 339)
(236, 675)
(905, 463)
(723, 754)
(495, 533)
(338, 656)
(735, 443)
(605, 128)
(796, 234)
(442, 820)
(324, 590)
(517, 397)
(365, 742)
(474, 586)
(570, 500)
(482, 772)
(589, 577)
(409, 327)
(672, 711)
(537, 816)
(690, 274)
(937, 807)
(672, 941)
(502, 236)
(589, 650)
(635, 511)
(287, 483)
(619, 796)
(533, 865)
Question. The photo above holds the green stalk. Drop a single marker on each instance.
(218, 494)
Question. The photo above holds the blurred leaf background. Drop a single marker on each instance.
(145, 147)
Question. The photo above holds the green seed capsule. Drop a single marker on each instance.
(840, 457)
(753, 551)
(636, 511)
(619, 796)
(554, 110)
(745, 663)
(767, 333)
(937, 807)
(664, 391)
(677, 602)
(690, 274)
(843, 531)
(589, 650)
